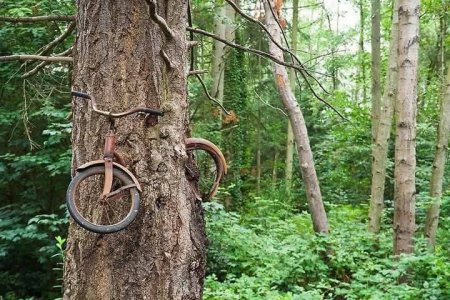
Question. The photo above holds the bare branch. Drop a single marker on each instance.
(37, 57)
(36, 19)
(209, 95)
(45, 63)
(47, 48)
(197, 72)
(294, 57)
(271, 106)
(303, 75)
(159, 20)
(243, 48)
(166, 59)
(192, 44)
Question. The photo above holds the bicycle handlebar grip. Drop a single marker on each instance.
(80, 94)
(153, 112)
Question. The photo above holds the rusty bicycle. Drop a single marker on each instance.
(103, 196)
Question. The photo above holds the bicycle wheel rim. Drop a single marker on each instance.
(77, 215)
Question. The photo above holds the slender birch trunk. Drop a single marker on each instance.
(290, 135)
(313, 194)
(383, 132)
(440, 158)
(405, 141)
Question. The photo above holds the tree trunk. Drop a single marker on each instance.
(258, 152)
(117, 58)
(290, 135)
(405, 141)
(376, 66)
(236, 94)
(274, 169)
(383, 132)
(362, 65)
(313, 194)
(218, 59)
(440, 158)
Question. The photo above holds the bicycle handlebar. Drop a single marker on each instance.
(117, 115)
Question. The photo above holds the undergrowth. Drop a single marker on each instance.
(254, 256)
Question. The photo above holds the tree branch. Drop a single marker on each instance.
(243, 48)
(294, 57)
(37, 57)
(159, 20)
(209, 95)
(45, 63)
(47, 48)
(166, 59)
(36, 19)
(197, 72)
(301, 73)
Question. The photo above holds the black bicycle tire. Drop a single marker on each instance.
(86, 224)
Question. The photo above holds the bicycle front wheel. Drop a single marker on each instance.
(98, 213)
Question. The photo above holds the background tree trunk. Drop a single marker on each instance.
(308, 171)
(290, 135)
(383, 132)
(362, 64)
(440, 158)
(376, 66)
(405, 141)
(161, 255)
(218, 59)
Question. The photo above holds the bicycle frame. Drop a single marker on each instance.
(112, 166)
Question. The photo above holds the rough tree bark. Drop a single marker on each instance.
(440, 158)
(289, 162)
(308, 171)
(118, 59)
(383, 132)
(405, 141)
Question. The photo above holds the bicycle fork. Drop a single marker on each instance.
(108, 156)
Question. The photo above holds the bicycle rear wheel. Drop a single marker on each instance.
(211, 165)
(97, 213)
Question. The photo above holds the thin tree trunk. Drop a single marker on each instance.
(274, 169)
(405, 141)
(258, 152)
(376, 66)
(362, 65)
(218, 59)
(440, 158)
(313, 194)
(117, 58)
(381, 143)
(290, 135)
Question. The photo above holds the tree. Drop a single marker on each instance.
(383, 132)
(440, 158)
(290, 135)
(376, 66)
(127, 55)
(406, 109)
(307, 169)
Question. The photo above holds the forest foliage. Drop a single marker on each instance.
(260, 242)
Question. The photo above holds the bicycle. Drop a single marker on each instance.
(116, 203)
